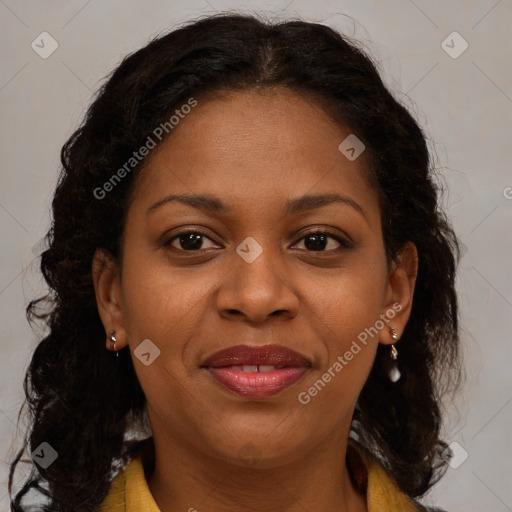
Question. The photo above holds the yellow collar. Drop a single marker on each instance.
(129, 491)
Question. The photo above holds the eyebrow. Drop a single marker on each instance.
(211, 204)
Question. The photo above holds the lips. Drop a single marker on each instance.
(257, 372)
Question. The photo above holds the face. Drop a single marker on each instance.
(255, 273)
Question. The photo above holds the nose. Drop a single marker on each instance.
(254, 292)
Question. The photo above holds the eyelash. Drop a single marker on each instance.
(344, 244)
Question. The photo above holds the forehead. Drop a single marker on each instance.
(254, 144)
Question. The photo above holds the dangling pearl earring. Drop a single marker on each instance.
(114, 341)
(394, 372)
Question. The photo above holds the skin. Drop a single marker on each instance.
(254, 150)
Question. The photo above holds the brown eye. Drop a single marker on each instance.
(318, 241)
(187, 241)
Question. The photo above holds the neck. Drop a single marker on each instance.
(184, 479)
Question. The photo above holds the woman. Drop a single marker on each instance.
(247, 252)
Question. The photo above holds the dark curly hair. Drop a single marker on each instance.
(83, 400)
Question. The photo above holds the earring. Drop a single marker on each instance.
(114, 341)
(394, 372)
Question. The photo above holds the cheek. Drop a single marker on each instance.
(348, 302)
(161, 302)
(346, 311)
(344, 316)
(164, 305)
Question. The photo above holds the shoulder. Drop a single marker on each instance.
(382, 492)
(129, 485)
(116, 497)
(130, 491)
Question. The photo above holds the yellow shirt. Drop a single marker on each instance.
(129, 491)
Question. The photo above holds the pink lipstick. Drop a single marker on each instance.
(257, 372)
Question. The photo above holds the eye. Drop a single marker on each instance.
(318, 241)
(189, 240)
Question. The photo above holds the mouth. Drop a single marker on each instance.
(257, 372)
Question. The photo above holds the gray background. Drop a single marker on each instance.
(463, 103)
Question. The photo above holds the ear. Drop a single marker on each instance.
(107, 285)
(399, 292)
